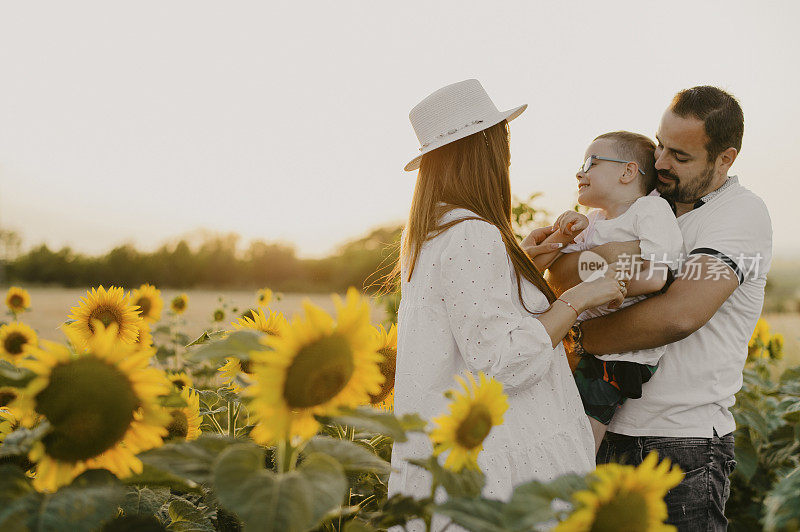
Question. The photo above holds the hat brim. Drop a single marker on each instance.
(467, 131)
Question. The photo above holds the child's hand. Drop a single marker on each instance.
(570, 223)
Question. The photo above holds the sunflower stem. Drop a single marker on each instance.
(429, 517)
(285, 456)
(231, 419)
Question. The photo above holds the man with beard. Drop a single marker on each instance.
(705, 316)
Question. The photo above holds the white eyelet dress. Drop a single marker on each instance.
(460, 313)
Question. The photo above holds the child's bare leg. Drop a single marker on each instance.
(599, 430)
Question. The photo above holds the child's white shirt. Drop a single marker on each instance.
(651, 221)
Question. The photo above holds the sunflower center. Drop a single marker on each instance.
(107, 315)
(90, 405)
(247, 366)
(6, 396)
(14, 342)
(179, 303)
(475, 427)
(144, 305)
(179, 426)
(387, 368)
(15, 301)
(626, 512)
(179, 383)
(319, 372)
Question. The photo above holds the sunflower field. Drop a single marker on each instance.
(286, 424)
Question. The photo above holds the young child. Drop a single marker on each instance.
(616, 181)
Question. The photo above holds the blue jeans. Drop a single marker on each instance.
(698, 502)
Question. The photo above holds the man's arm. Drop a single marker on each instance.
(689, 302)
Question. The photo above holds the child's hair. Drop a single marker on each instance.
(638, 148)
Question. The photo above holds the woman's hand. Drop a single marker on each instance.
(607, 289)
(534, 243)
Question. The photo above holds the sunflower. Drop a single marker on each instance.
(236, 368)
(274, 324)
(179, 303)
(102, 405)
(317, 365)
(473, 413)
(15, 340)
(264, 297)
(145, 339)
(387, 346)
(112, 306)
(17, 300)
(185, 422)
(8, 395)
(624, 498)
(9, 422)
(775, 346)
(180, 380)
(148, 298)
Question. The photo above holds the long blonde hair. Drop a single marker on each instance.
(471, 173)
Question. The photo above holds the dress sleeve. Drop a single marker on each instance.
(492, 334)
(658, 232)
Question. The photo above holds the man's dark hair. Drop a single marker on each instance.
(720, 112)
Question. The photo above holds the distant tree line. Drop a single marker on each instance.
(216, 262)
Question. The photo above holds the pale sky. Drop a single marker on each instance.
(140, 121)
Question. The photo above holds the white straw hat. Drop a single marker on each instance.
(452, 113)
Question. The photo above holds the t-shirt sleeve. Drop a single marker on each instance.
(492, 334)
(739, 234)
(657, 230)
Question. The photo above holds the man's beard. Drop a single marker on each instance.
(691, 192)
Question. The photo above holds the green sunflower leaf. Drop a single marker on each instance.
(352, 457)
(207, 336)
(186, 517)
(466, 483)
(190, 460)
(289, 502)
(11, 375)
(237, 344)
(144, 500)
(83, 506)
(379, 422)
(17, 498)
(157, 478)
(20, 442)
(478, 515)
(782, 503)
(531, 503)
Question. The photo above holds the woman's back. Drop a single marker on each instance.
(460, 313)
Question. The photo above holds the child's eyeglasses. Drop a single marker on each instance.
(587, 164)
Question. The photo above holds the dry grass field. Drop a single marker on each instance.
(50, 307)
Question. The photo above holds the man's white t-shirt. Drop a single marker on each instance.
(649, 220)
(697, 377)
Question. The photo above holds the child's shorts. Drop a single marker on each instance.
(604, 385)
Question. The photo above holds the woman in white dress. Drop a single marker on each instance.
(473, 301)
